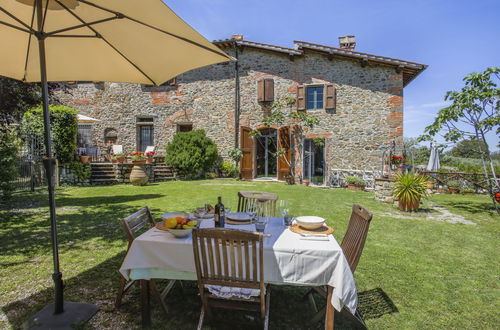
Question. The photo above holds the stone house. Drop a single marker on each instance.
(357, 97)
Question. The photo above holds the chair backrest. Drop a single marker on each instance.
(262, 203)
(117, 149)
(149, 149)
(355, 236)
(134, 223)
(229, 257)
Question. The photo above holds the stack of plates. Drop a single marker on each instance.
(239, 218)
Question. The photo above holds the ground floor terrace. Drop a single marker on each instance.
(432, 269)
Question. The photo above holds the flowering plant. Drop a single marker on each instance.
(138, 156)
(150, 154)
(397, 160)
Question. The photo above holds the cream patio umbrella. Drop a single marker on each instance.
(137, 41)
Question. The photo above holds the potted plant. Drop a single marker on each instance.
(138, 158)
(84, 158)
(150, 157)
(306, 182)
(396, 161)
(355, 183)
(119, 158)
(453, 187)
(467, 191)
(430, 183)
(409, 189)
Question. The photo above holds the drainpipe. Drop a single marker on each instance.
(236, 97)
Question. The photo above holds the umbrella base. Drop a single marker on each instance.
(74, 315)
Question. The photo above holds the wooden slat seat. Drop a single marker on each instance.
(263, 203)
(352, 245)
(231, 258)
(133, 226)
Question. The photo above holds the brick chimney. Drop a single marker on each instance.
(347, 42)
(238, 37)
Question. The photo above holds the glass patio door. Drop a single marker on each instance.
(267, 165)
(314, 162)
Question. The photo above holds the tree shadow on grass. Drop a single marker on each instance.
(470, 206)
(98, 285)
(27, 232)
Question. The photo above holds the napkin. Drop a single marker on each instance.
(248, 227)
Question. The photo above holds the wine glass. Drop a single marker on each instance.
(227, 207)
(283, 209)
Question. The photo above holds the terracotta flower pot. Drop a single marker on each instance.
(84, 159)
(411, 206)
(139, 162)
(430, 185)
(138, 176)
(149, 160)
(453, 190)
(352, 186)
(120, 160)
(306, 182)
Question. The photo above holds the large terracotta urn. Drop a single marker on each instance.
(138, 176)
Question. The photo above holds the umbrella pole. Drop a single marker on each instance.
(59, 315)
(49, 163)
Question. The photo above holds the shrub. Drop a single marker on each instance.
(453, 184)
(82, 171)
(64, 127)
(191, 153)
(236, 154)
(8, 161)
(229, 170)
(355, 180)
(210, 175)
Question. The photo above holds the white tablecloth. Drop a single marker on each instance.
(288, 259)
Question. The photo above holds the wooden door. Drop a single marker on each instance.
(246, 145)
(284, 159)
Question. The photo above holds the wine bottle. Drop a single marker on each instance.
(219, 214)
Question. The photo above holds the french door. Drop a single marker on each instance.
(314, 161)
(267, 165)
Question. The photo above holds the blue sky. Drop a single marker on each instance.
(453, 37)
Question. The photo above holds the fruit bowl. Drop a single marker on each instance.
(180, 233)
(177, 225)
(310, 222)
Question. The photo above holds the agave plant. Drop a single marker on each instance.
(409, 189)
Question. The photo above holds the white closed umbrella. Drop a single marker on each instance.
(433, 164)
(137, 41)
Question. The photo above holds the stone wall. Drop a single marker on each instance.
(369, 111)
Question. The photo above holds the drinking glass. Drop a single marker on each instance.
(227, 207)
(283, 209)
(261, 223)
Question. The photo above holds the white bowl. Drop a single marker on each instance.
(179, 233)
(310, 222)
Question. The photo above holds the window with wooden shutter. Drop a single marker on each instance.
(330, 97)
(301, 97)
(260, 90)
(269, 90)
(265, 90)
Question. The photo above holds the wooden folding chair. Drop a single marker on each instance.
(133, 225)
(352, 245)
(262, 203)
(235, 259)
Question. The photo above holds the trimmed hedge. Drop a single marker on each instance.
(64, 128)
(8, 161)
(191, 153)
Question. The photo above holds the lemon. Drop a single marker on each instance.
(170, 222)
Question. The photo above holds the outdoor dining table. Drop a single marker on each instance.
(289, 259)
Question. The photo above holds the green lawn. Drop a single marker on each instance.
(417, 270)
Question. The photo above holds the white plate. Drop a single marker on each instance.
(239, 216)
(310, 222)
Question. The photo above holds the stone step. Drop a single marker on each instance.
(111, 171)
(103, 180)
